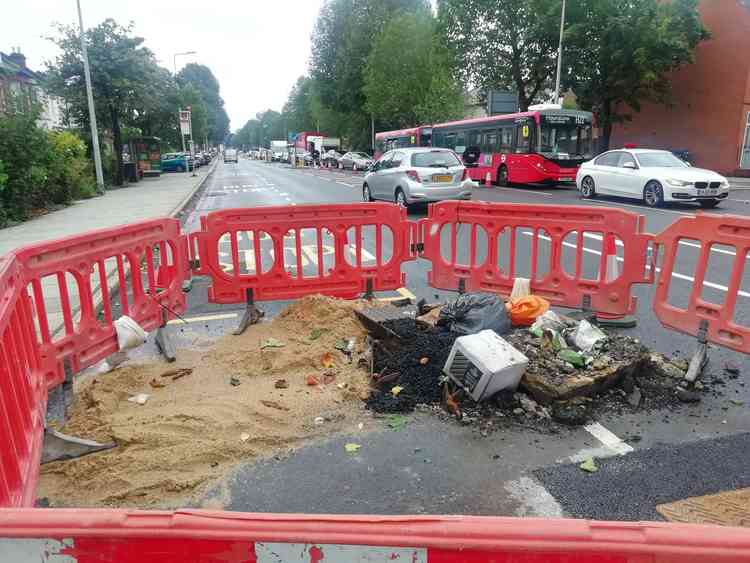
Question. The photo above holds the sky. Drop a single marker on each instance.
(256, 48)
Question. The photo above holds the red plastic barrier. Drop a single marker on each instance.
(540, 225)
(61, 276)
(94, 536)
(716, 320)
(289, 252)
(23, 391)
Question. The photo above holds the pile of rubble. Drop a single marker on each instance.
(572, 370)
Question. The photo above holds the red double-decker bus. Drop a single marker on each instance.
(539, 146)
(414, 137)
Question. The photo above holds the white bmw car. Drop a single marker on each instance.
(652, 176)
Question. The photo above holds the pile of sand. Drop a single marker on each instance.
(195, 428)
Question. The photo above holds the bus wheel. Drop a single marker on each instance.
(588, 189)
(502, 176)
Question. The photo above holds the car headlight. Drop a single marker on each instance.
(676, 182)
(724, 184)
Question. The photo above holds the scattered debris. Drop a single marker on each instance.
(586, 336)
(273, 405)
(326, 360)
(589, 466)
(139, 399)
(429, 318)
(244, 437)
(316, 333)
(319, 420)
(352, 448)
(281, 384)
(176, 373)
(329, 377)
(396, 422)
(396, 390)
(312, 380)
(155, 383)
(235, 381)
(731, 368)
(687, 396)
(471, 313)
(272, 343)
(525, 310)
(737, 402)
(129, 333)
(424, 361)
(634, 399)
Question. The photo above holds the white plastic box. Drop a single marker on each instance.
(485, 363)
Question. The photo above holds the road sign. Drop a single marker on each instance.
(502, 101)
(185, 122)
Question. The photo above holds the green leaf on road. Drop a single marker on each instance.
(272, 343)
(397, 422)
(352, 448)
(589, 466)
(316, 333)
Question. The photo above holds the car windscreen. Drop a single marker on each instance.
(360, 155)
(434, 159)
(660, 159)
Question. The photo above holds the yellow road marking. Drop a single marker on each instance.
(406, 293)
(217, 317)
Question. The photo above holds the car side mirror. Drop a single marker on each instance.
(630, 165)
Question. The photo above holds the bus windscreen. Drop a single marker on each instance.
(566, 136)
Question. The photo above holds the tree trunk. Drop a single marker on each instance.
(117, 134)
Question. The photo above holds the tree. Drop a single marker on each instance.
(503, 44)
(341, 43)
(122, 71)
(299, 107)
(622, 54)
(408, 79)
(203, 80)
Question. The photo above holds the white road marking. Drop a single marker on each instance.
(658, 270)
(345, 184)
(515, 191)
(608, 438)
(533, 499)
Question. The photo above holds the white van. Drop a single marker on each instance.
(230, 155)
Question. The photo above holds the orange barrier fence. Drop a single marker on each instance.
(532, 241)
(291, 251)
(716, 322)
(96, 536)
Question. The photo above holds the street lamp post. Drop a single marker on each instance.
(174, 59)
(92, 110)
(559, 55)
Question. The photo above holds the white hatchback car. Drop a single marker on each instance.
(653, 176)
(417, 175)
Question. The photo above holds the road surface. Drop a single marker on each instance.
(437, 466)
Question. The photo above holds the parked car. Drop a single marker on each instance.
(415, 175)
(230, 155)
(653, 176)
(356, 161)
(331, 158)
(174, 162)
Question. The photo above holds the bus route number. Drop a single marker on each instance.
(525, 131)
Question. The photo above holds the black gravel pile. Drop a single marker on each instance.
(420, 382)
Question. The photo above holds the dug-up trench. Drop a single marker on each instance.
(280, 385)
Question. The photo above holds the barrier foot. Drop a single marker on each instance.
(59, 446)
(251, 315)
(369, 295)
(626, 321)
(61, 397)
(164, 342)
(700, 356)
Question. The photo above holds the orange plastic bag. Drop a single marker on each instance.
(525, 310)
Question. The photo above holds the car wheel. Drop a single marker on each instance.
(653, 196)
(709, 203)
(588, 189)
(401, 198)
(502, 176)
(366, 195)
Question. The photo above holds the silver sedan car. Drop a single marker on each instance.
(355, 161)
(416, 175)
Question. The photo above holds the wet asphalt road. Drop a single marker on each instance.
(504, 473)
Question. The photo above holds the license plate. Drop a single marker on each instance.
(707, 191)
(442, 178)
(566, 179)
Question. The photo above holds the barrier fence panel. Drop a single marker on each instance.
(95, 536)
(341, 250)
(566, 252)
(23, 391)
(79, 285)
(712, 311)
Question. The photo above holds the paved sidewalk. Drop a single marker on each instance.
(149, 198)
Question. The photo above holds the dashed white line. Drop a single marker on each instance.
(616, 203)
(345, 184)
(608, 438)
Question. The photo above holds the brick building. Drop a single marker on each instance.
(710, 110)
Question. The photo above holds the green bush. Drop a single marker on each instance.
(40, 168)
